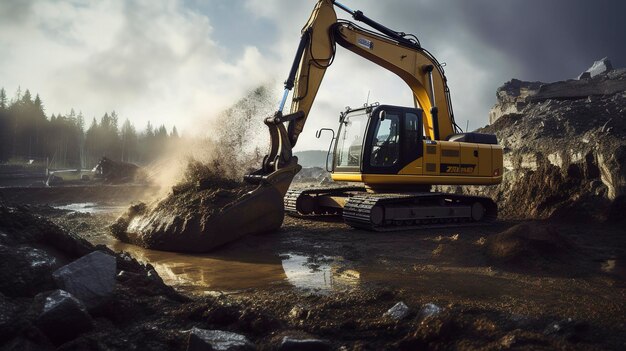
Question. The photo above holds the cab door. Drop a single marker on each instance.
(393, 139)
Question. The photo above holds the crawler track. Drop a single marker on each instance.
(295, 197)
(392, 212)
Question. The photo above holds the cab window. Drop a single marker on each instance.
(386, 142)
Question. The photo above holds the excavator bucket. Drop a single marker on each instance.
(172, 228)
(262, 209)
(259, 211)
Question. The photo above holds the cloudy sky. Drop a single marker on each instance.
(179, 62)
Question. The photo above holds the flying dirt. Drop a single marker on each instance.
(196, 214)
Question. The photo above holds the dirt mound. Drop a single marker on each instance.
(188, 218)
(211, 206)
(529, 245)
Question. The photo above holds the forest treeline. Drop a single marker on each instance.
(26, 133)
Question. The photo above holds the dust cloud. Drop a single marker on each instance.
(224, 148)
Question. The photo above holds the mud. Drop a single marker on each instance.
(185, 220)
(530, 246)
(328, 281)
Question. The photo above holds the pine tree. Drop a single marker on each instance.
(3, 99)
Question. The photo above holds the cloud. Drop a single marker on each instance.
(182, 61)
(148, 60)
(550, 40)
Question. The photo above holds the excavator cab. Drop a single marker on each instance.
(377, 139)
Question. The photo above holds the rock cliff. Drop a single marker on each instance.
(564, 147)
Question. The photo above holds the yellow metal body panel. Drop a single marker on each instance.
(401, 179)
(485, 166)
(443, 163)
(315, 60)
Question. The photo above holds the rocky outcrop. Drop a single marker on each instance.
(37, 312)
(598, 67)
(564, 147)
(512, 98)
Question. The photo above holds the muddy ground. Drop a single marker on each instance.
(509, 285)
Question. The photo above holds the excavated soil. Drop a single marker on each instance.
(177, 222)
(184, 220)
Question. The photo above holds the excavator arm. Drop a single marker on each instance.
(389, 49)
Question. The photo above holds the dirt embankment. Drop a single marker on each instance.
(564, 152)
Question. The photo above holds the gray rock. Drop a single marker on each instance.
(578, 89)
(584, 75)
(512, 98)
(298, 344)
(62, 316)
(398, 311)
(297, 312)
(566, 328)
(429, 310)
(91, 278)
(217, 340)
(598, 67)
(22, 344)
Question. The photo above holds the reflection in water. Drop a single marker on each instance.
(91, 207)
(242, 270)
(206, 272)
(323, 274)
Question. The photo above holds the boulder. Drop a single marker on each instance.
(512, 98)
(398, 311)
(91, 278)
(217, 340)
(298, 344)
(598, 67)
(429, 310)
(62, 316)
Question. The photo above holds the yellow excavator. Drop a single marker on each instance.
(395, 154)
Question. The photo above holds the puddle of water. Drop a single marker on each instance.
(91, 207)
(198, 273)
(322, 275)
(242, 270)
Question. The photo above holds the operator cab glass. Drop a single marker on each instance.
(381, 139)
(385, 145)
(350, 141)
